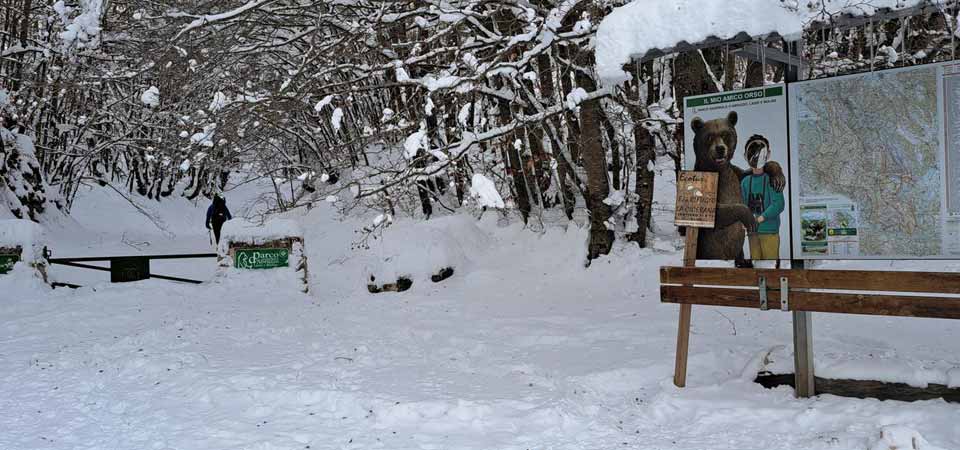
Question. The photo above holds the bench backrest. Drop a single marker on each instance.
(889, 293)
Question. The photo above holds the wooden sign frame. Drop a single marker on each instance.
(696, 199)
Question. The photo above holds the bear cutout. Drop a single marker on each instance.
(714, 145)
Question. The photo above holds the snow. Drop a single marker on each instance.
(899, 437)
(205, 137)
(522, 348)
(402, 75)
(323, 103)
(82, 30)
(892, 55)
(219, 101)
(632, 30)
(151, 97)
(485, 192)
(382, 218)
(24, 234)
(463, 117)
(576, 97)
(242, 230)
(213, 18)
(436, 83)
(414, 143)
(615, 198)
(388, 114)
(336, 119)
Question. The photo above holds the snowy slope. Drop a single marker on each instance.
(522, 348)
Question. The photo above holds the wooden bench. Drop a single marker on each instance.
(885, 293)
(874, 292)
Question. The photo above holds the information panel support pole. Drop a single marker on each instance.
(803, 349)
(683, 330)
(804, 374)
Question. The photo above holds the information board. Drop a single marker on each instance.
(261, 258)
(875, 159)
(752, 125)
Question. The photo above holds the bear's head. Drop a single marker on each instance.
(757, 150)
(714, 142)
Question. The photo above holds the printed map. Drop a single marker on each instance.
(874, 140)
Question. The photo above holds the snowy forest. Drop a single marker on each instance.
(393, 105)
(452, 224)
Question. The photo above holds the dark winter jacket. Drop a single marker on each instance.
(218, 213)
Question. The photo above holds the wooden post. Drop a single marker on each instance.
(802, 320)
(803, 348)
(683, 330)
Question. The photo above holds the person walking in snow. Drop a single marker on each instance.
(217, 214)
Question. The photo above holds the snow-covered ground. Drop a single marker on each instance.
(522, 348)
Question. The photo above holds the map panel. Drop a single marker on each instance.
(867, 156)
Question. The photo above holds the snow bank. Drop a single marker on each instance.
(418, 250)
(24, 234)
(22, 282)
(889, 370)
(242, 230)
(413, 249)
(642, 25)
(877, 365)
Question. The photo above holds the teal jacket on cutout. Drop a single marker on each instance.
(758, 186)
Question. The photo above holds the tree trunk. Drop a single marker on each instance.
(646, 155)
(595, 164)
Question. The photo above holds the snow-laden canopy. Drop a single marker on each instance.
(632, 30)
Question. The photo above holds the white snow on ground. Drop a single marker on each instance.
(899, 437)
(642, 25)
(522, 348)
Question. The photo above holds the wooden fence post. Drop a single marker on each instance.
(683, 330)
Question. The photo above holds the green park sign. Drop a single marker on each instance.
(261, 258)
(7, 262)
(738, 96)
